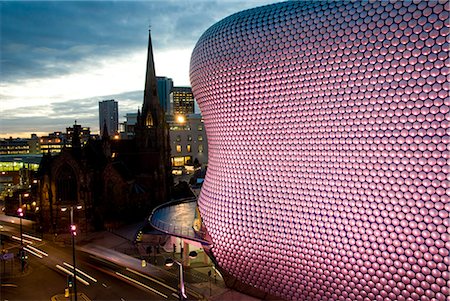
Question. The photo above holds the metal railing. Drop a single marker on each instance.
(183, 231)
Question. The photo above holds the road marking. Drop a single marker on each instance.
(104, 285)
(152, 279)
(38, 250)
(80, 271)
(142, 284)
(175, 295)
(70, 273)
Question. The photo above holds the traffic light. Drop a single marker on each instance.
(73, 229)
(20, 212)
(69, 281)
(23, 258)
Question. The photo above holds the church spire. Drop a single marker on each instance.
(151, 106)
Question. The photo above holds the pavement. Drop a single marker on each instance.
(122, 241)
(62, 297)
(197, 280)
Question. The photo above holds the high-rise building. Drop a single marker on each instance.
(181, 101)
(109, 116)
(165, 86)
(328, 130)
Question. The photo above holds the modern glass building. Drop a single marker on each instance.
(165, 86)
(327, 124)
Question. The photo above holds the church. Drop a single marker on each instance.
(109, 182)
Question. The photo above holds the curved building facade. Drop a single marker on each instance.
(328, 131)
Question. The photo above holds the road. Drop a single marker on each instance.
(103, 274)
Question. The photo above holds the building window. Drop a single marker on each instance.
(66, 186)
(200, 138)
(178, 148)
(189, 138)
(188, 148)
(178, 138)
(178, 161)
(200, 148)
(200, 127)
(149, 120)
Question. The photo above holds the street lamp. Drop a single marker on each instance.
(170, 262)
(73, 232)
(22, 251)
(20, 214)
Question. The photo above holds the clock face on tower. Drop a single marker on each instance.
(328, 134)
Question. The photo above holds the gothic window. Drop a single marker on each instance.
(66, 185)
(149, 120)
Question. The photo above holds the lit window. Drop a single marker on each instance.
(178, 138)
(200, 127)
(178, 148)
(178, 161)
(189, 138)
(200, 138)
(200, 148)
(188, 148)
(149, 120)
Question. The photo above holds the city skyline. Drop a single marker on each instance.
(60, 59)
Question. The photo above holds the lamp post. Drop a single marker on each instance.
(170, 262)
(22, 251)
(20, 214)
(73, 232)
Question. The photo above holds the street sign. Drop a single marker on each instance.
(7, 256)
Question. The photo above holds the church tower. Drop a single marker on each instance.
(152, 137)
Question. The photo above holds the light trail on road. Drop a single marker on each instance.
(37, 250)
(24, 240)
(152, 279)
(32, 252)
(80, 271)
(141, 284)
(32, 237)
(71, 274)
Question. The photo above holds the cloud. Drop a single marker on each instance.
(47, 38)
(55, 53)
(58, 116)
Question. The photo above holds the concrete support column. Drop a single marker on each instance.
(186, 261)
(205, 258)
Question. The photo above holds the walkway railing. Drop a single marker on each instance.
(159, 220)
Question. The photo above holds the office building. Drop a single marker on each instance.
(109, 116)
(188, 143)
(53, 143)
(328, 131)
(127, 130)
(84, 133)
(181, 101)
(14, 146)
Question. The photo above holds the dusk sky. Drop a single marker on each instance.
(59, 59)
